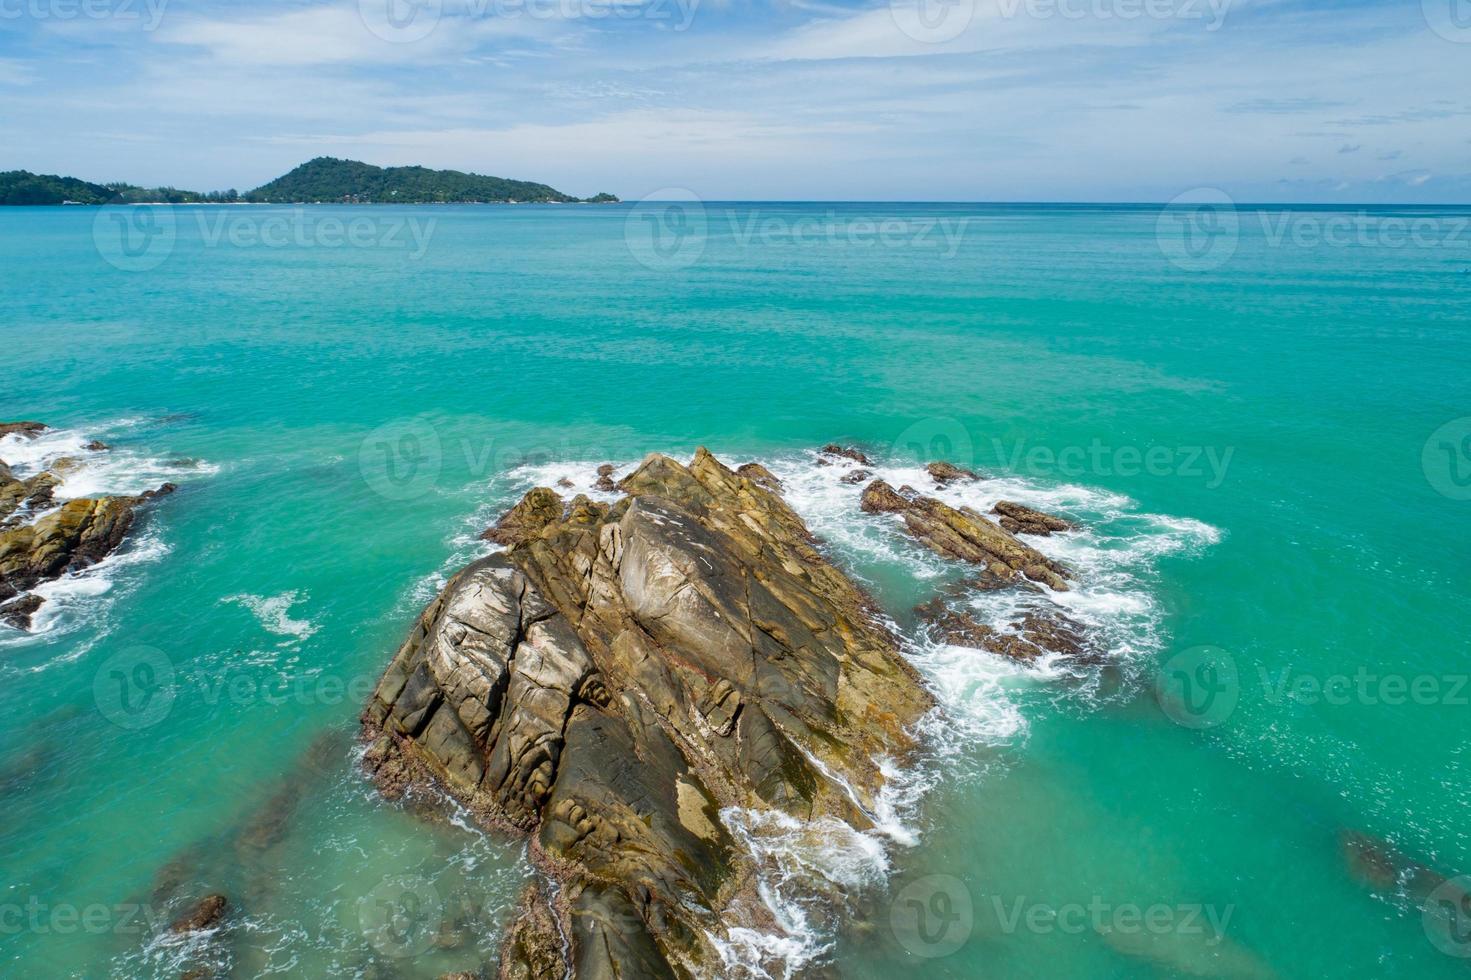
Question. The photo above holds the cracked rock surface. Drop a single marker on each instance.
(619, 676)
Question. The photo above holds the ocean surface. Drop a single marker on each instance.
(1258, 416)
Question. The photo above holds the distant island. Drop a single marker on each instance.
(325, 180)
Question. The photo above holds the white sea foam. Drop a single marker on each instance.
(803, 864)
(1114, 554)
(91, 473)
(274, 614)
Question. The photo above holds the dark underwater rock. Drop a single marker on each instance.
(207, 913)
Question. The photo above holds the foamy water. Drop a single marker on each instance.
(274, 614)
(82, 599)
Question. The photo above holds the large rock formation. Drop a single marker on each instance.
(40, 541)
(620, 675)
(964, 534)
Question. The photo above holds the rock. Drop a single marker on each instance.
(565, 483)
(27, 430)
(846, 452)
(605, 482)
(98, 446)
(20, 498)
(1201, 951)
(207, 913)
(963, 534)
(536, 510)
(856, 476)
(40, 542)
(1382, 867)
(1024, 520)
(622, 673)
(1034, 635)
(1372, 862)
(18, 612)
(944, 473)
(79, 533)
(761, 476)
(880, 498)
(533, 947)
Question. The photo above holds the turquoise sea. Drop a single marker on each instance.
(1260, 416)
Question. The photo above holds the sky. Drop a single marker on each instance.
(964, 100)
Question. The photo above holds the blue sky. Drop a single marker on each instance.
(1107, 100)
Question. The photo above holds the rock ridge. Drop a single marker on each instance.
(621, 674)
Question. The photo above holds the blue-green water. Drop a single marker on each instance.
(1259, 432)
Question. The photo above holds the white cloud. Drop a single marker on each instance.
(13, 71)
(343, 35)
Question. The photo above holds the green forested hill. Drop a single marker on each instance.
(329, 179)
(24, 187)
(320, 181)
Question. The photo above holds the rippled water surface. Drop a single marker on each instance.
(1266, 447)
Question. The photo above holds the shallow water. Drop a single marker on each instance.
(342, 419)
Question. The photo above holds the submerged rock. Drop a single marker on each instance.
(1035, 634)
(207, 913)
(620, 675)
(1019, 519)
(1381, 866)
(963, 534)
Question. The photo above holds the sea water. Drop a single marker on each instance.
(1260, 428)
